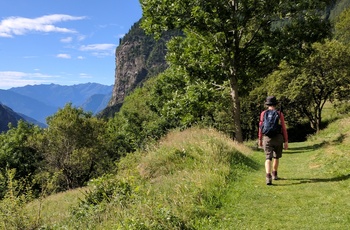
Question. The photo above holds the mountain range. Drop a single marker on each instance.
(35, 103)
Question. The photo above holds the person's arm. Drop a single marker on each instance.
(284, 131)
(260, 136)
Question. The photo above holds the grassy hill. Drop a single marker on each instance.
(199, 179)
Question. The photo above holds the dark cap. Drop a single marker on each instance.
(271, 100)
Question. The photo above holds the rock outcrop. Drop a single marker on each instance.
(138, 57)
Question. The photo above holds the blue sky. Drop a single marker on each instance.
(63, 42)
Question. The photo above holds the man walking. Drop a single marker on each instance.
(273, 137)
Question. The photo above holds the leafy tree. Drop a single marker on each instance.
(337, 8)
(183, 103)
(243, 40)
(324, 76)
(342, 27)
(73, 147)
(17, 152)
(135, 123)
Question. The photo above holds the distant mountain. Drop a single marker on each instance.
(41, 101)
(26, 105)
(32, 121)
(7, 116)
(59, 96)
(96, 103)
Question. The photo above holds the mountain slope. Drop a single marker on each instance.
(26, 105)
(96, 103)
(7, 115)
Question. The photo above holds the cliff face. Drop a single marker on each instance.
(138, 57)
(130, 70)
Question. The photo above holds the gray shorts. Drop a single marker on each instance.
(273, 146)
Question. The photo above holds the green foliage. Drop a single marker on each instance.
(197, 179)
(177, 184)
(104, 192)
(13, 215)
(17, 151)
(341, 32)
(194, 54)
(323, 76)
(184, 103)
(235, 42)
(166, 102)
(338, 8)
(135, 124)
(73, 147)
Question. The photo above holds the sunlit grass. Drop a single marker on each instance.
(200, 179)
(176, 184)
(55, 208)
(312, 192)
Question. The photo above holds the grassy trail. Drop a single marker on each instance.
(306, 196)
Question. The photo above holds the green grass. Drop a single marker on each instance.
(199, 179)
(313, 192)
(55, 208)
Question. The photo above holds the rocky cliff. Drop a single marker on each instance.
(138, 57)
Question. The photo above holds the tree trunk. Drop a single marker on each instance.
(236, 111)
(318, 119)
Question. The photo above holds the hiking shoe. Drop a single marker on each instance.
(269, 180)
(274, 175)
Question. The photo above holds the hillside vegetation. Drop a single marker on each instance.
(167, 159)
(199, 179)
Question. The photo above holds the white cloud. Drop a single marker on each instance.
(97, 47)
(100, 50)
(84, 76)
(10, 79)
(65, 56)
(67, 40)
(12, 26)
(81, 57)
(81, 37)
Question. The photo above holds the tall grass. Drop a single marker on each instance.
(334, 155)
(175, 184)
(200, 179)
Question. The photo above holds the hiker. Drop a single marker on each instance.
(272, 137)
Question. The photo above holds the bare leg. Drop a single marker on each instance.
(274, 168)
(268, 172)
(275, 164)
(268, 166)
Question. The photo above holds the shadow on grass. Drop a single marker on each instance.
(238, 160)
(304, 149)
(313, 147)
(313, 180)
